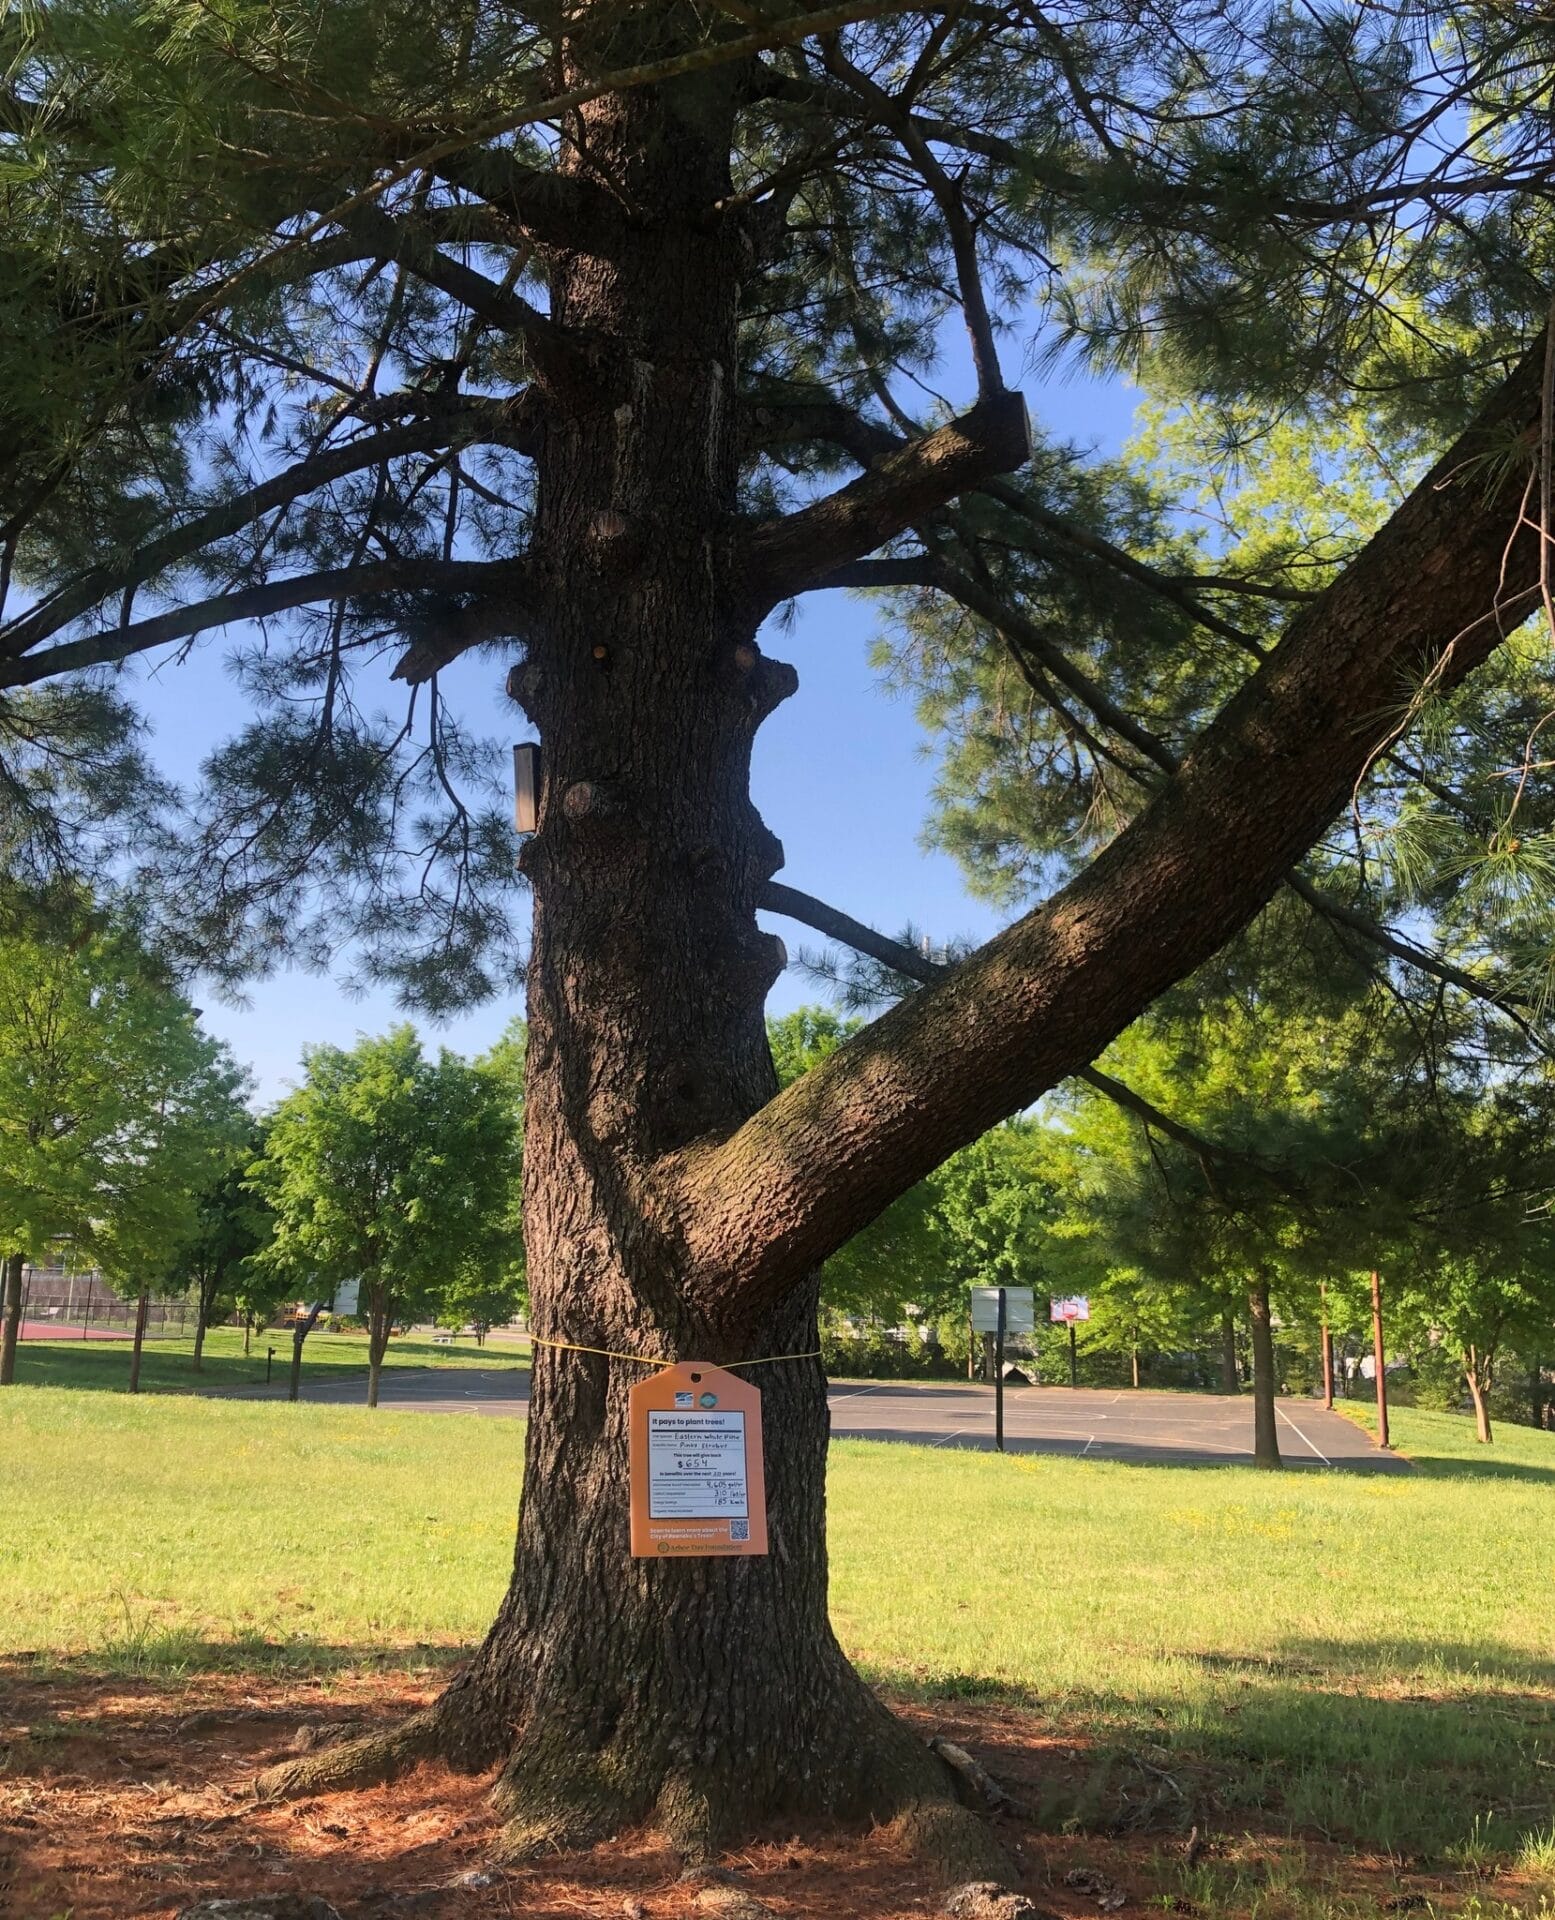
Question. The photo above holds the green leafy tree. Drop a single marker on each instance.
(112, 1100)
(388, 1168)
(490, 1287)
(216, 1265)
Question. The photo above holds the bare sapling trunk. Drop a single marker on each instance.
(11, 1328)
(205, 1305)
(1266, 1437)
(1478, 1371)
(380, 1318)
(300, 1331)
(142, 1309)
(1229, 1379)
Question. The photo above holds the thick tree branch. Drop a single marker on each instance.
(842, 927)
(555, 210)
(457, 423)
(491, 579)
(787, 556)
(775, 420)
(1426, 601)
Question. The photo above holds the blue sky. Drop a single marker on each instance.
(842, 775)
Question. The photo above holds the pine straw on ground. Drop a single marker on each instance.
(123, 1797)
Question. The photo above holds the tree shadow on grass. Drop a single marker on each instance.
(1435, 1466)
(1297, 1743)
(157, 1655)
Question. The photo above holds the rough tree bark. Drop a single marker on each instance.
(676, 1205)
(1266, 1432)
(10, 1330)
(704, 1694)
(209, 1287)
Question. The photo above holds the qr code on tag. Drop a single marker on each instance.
(739, 1529)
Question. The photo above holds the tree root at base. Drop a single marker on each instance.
(365, 1762)
(957, 1844)
(554, 1799)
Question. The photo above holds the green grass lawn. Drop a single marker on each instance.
(167, 1366)
(1367, 1661)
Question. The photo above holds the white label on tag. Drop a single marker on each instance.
(696, 1466)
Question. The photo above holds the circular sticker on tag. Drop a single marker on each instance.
(708, 1400)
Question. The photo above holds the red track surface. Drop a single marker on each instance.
(56, 1330)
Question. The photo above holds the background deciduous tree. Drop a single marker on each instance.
(389, 1168)
(112, 1100)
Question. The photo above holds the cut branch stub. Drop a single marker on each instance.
(592, 803)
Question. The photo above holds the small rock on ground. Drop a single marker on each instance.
(262, 1906)
(731, 1903)
(987, 1900)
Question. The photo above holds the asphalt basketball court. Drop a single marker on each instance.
(1176, 1429)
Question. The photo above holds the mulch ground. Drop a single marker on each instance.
(133, 1797)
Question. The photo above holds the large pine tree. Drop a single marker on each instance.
(594, 335)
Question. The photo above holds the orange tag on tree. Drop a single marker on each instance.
(698, 1483)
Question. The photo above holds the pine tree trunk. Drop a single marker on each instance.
(11, 1329)
(708, 1694)
(1266, 1437)
(1229, 1382)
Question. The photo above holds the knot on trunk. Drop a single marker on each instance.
(616, 541)
(764, 956)
(768, 683)
(523, 686)
(766, 851)
(593, 803)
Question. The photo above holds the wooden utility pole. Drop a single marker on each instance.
(1328, 1352)
(1379, 1358)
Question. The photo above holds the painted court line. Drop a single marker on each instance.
(1300, 1435)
